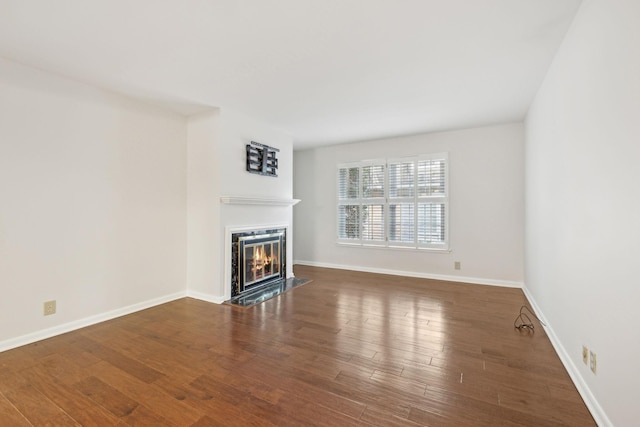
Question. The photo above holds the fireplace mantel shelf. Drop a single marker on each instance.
(236, 200)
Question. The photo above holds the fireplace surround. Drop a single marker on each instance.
(258, 259)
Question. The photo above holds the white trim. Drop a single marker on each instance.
(420, 275)
(206, 297)
(87, 321)
(236, 200)
(360, 163)
(594, 407)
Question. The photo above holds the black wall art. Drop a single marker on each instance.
(261, 159)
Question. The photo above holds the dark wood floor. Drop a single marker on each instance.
(347, 349)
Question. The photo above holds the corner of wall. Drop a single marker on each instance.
(589, 399)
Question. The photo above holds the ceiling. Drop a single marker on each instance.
(325, 71)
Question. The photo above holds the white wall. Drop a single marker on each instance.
(486, 206)
(203, 203)
(583, 204)
(92, 203)
(217, 167)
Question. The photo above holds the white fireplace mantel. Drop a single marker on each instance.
(236, 200)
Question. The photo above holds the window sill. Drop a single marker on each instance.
(394, 248)
(236, 200)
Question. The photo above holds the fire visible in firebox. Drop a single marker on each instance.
(262, 261)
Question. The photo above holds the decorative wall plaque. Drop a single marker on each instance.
(261, 159)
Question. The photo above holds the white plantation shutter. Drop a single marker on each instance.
(361, 199)
(401, 179)
(373, 191)
(402, 222)
(402, 215)
(349, 206)
(348, 183)
(373, 182)
(431, 177)
(401, 202)
(432, 201)
(349, 222)
(431, 223)
(373, 222)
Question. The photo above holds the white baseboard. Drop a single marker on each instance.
(463, 279)
(206, 297)
(589, 399)
(87, 321)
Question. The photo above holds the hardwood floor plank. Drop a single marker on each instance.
(10, 379)
(143, 416)
(305, 412)
(10, 415)
(456, 407)
(166, 406)
(221, 411)
(73, 402)
(401, 383)
(37, 408)
(207, 421)
(321, 390)
(254, 387)
(437, 417)
(127, 364)
(107, 397)
(383, 418)
(561, 411)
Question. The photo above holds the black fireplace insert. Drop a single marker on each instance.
(258, 258)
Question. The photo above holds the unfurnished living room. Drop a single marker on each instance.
(319, 212)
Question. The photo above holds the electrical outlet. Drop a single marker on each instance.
(456, 265)
(592, 358)
(50, 307)
(585, 355)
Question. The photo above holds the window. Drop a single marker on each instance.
(395, 202)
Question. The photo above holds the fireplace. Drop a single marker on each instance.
(258, 259)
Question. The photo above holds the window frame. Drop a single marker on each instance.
(415, 200)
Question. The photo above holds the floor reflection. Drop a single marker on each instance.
(267, 292)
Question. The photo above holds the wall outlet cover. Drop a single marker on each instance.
(49, 308)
